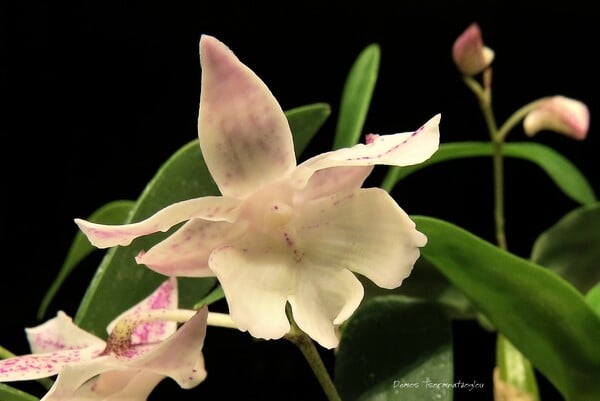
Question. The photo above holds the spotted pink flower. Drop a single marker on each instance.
(281, 233)
(560, 114)
(469, 53)
(129, 367)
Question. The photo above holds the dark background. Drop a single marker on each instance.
(99, 94)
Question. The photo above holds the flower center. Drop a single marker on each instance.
(277, 214)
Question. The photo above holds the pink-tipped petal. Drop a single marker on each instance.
(55, 343)
(324, 298)
(60, 333)
(560, 114)
(244, 134)
(468, 52)
(364, 231)
(212, 208)
(257, 275)
(402, 149)
(164, 297)
(185, 253)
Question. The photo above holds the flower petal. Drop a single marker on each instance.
(212, 208)
(116, 385)
(179, 356)
(185, 253)
(560, 114)
(256, 277)
(164, 297)
(324, 298)
(364, 231)
(402, 149)
(55, 343)
(60, 333)
(75, 375)
(244, 134)
(331, 180)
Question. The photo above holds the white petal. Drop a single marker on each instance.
(244, 134)
(364, 231)
(402, 149)
(164, 297)
(331, 180)
(185, 253)
(257, 275)
(324, 298)
(212, 208)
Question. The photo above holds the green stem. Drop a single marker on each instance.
(515, 369)
(311, 354)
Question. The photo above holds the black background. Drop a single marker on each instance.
(98, 94)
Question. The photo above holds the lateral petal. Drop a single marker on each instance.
(212, 208)
(185, 253)
(402, 149)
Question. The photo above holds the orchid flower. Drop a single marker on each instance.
(560, 114)
(144, 347)
(469, 53)
(281, 233)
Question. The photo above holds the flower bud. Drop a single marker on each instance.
(469, 54)
(560, 114)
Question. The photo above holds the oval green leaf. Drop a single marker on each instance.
(119, 278)
(564, 173)
(543, 315)
(571, 247)
(395, 348)
(115, 212)
(593, 298)
(428, 284)
(356, 97)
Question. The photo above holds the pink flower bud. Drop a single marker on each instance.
(560, 114)
(469, 54)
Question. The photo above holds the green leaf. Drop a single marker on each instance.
(8, 393)
(305, 122)
(118, 278)
(356, 97)
(395, 348)
(115, 212)
(564, 173)
(427, 283)
(544, 316)
(593, 298)
(215, 295)
(183, 176)
(571, 247)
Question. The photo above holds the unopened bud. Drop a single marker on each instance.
(560, 114)
(469, 54)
